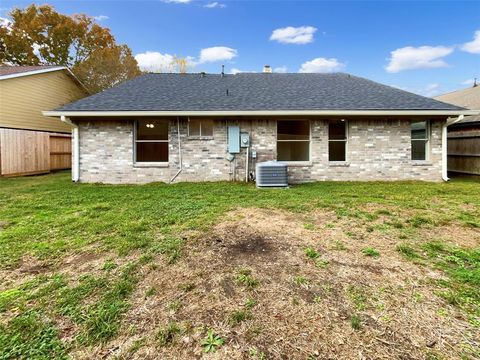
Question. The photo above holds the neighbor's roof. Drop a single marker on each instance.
(7, 71)
(468, 98)
(251, 92)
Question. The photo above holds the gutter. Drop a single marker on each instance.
(124, 113)
(450, 121)
(75, 149)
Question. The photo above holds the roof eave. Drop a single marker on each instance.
(85, 113)
(32, 72)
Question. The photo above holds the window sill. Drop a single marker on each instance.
(200, 137)
(150, 164)
(296, 163)
(421, 163)
(338, 164)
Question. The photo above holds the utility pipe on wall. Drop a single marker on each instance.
(447, 123)
(179, 152)
(246, 166)
(75, 149)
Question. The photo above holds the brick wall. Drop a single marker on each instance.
(376, 150)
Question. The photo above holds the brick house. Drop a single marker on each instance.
(187, 127)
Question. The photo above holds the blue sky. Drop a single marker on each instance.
(426, 47)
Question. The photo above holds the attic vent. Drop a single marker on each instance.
(267, 69)
(272, 174)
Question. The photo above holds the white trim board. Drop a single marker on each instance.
(262, 113)
(32, 72)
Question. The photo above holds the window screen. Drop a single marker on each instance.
(337, 140)
(293, 140)
(419, 135)
(200, 127)
(151, 141)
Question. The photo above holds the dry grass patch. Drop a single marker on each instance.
(341, 302)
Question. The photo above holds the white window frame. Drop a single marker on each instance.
(201, 136)
(135, 142)
(426, 140)
(296, 162)
(338, 140)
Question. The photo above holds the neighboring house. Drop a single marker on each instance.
(464, 135)
(31, 143)
(186, 127)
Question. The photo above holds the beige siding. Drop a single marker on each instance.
(22, 100)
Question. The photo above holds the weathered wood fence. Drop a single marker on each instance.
(25, 152)
(464, 151)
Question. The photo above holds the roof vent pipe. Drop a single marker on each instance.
(267, 69)
(223, 70)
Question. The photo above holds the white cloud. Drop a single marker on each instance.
(6, 23)
(214, 5)
(467, 82)
(429, 90)
(216, 53)
(101, 17)
(176, 1)
(294, 35)
(474, 45)
(321, 65)
(423, 57)
(280, 69)
(154, 61)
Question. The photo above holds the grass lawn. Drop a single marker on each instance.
(224, 270)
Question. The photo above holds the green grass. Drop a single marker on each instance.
(49, 217)
(238, 316)
(372, 252)
(166, 335)
(245, 277)
(30, 336)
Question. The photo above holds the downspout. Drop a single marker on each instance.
(75, 149)
(179, 152)
(447, 123)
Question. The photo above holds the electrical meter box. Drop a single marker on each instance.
(244, 140)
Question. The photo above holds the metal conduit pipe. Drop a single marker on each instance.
(179, 152)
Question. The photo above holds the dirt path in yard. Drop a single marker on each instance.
(341, 305)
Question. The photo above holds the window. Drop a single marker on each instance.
(337, 140)
(419, 133)
(200, 127)
(293, 140)
(151, 141)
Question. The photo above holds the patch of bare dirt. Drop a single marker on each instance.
(454, 234)
(74, 265)
(303, 307)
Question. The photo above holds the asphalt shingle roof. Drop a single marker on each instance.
(253, 91)
(10, 70)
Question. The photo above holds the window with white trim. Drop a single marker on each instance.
(293, 140)
(151, 141)
(420, 136)
(200, 127)
(337, 140)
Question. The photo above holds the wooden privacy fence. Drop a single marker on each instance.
(25, 152)
(464, 151)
